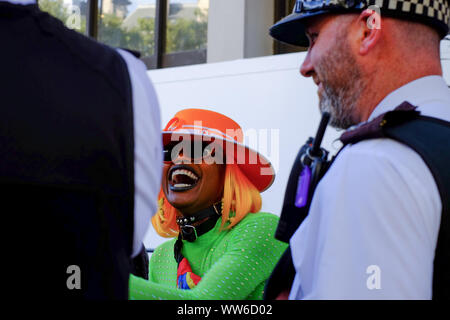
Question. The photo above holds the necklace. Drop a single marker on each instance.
(194, 226)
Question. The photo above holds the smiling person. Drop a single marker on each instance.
(379, 222)
(223, 247)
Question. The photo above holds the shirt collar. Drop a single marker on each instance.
(417, 92)
(22, 2)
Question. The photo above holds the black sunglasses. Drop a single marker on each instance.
(193, 152)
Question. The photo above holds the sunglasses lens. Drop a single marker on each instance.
(195, 152)
(166, 155)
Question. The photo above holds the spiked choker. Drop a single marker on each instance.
(194, 226)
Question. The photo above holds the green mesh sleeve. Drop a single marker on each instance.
(240, 273)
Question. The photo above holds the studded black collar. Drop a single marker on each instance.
(190, 232)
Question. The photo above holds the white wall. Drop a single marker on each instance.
(238, 29)
(258, 93)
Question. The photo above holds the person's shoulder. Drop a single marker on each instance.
(81, 45)
(164, 248)
(379, 146)
(257, 228)
(133, 62)
(381, 151)
(387, 149)
(98, 56)
(380, 164)
(260, 216)
(262, 220)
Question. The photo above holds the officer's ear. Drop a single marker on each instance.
(369, 22)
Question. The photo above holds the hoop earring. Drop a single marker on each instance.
(221, 207)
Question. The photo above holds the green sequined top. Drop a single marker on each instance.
(234, 264)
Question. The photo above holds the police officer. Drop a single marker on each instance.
(80, 159)
(375, 218)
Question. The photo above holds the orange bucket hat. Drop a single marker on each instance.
(206, 125)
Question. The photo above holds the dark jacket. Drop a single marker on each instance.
(66, 159)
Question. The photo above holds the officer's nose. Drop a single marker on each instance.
(307, 68)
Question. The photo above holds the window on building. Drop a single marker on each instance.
(166, 33)
(169, 33)
(186, 32)
(72, 13)
(127, 24)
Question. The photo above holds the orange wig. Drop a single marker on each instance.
(240, 197)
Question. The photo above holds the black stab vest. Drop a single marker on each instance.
(66, 160)
(430, 138)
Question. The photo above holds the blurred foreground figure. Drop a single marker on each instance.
(80, 159)
(378, 221)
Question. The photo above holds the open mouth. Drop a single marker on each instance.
(182, 178)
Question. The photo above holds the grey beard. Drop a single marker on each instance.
(342, 84)
(341, 104)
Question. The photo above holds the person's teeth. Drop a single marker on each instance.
(185, 172)
(181, 185)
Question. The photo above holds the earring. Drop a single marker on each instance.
(232, 213)
(233, 206)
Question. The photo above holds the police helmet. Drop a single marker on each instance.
(291, 30)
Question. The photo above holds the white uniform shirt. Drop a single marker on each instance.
(374, 220)
(147, 148)
(147, 143)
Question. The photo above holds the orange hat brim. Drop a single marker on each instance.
(256, 167)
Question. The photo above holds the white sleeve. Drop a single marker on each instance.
(147, 148)
(372, 229)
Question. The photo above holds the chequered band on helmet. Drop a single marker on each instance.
(435, 13)
(435, 9)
